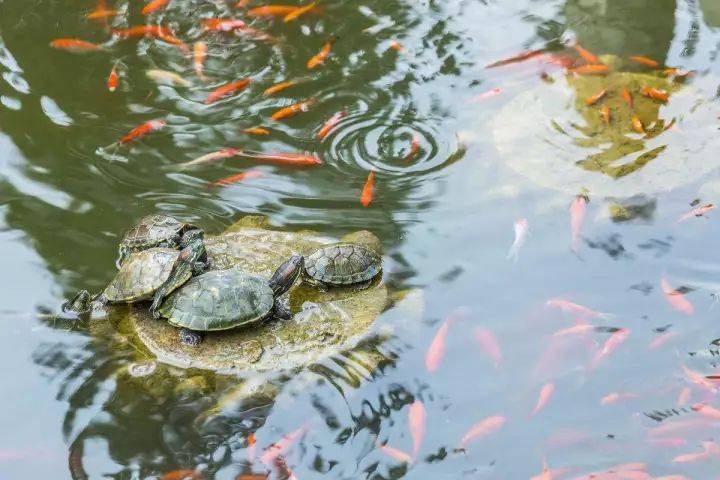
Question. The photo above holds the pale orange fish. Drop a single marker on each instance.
(655, 94)
(596, 98)
(574, 308)
(627, 96)
(637, 124)
(227, 89)
(577, 218)
(677, 427)
(414, 148)
(209, 158)
(709, 449)
(101, 14)
(676, 299)
(610, 345)
(398, 455)
(546, 392)
(521, 227)
(549, 474)
(628, 471)
(282, 446)
(298, 12)
(185, 474)
(699, 379)
(580, 328)
(142, 130)
(223, 24)
(614, 397)
(113, 79)
(75, 45)
(648, 62)
(482, 429)
(397, 46)
(368, 191)
(144, 31)
(697, 212)
(199, 56)
(521, 57)
(292, 110)
(330, 124)
(278, 87)
(605, 114)
(238, 177)
(321, 56)
(251, 441)
(684, 397)
(661, 340)
(673, 442)
(416, 422)
(485, 95)
(591, 70)
(257, 131)
(436, 351)
(586, 55)
(271, 11)
(676, 72)
(287, 159)
(706, 411)
(489, 344)
(153, 6)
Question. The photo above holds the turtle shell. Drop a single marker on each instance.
(343, 264)
(142, 274)
(219, 300)
(157, 230)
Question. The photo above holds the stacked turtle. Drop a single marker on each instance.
(164, 260)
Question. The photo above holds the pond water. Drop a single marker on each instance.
(591, 347)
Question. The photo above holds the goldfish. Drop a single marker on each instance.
(610, 345)
(591, 70)
(293, 110)
(416, 422)
(298, 12)
(436, 351)
(282, 446)
(546, 393)
(397, 46)
(676, 72)
(414, 148)
(227, 89)
(577, 218)
(209, 158)
(272, 11)
(489, 344)
(515, 58)
(163, 76)
(321, 56)
(144, 31)
(699, 379)
(485, 95)
(398, 455)
(655, 94)
(574, 330)
(330, 124)
(661, 340)
(709, 448)
(186, 474)
(101, 14)
(153, 6)
(257, 131)
(368, 191)
(595, 98)
(627, 97)
(614, 397)
(697, 212)
(706, 411)
(142, 130)
(482, 429)
(113, 79)
(575, 309)
(74, 45)
(199, 56)
(238, 177)
(605, 114)
(289, 159)
(521, 230)
(648, 62)
(676, 299)
(278, 87)
(251, 441)
(223, 24)
(586, 55)
(637, 125)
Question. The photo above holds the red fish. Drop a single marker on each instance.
(398, 455)
(580, 328)
(482, 429)
(330, 124)
(577, 218)
(414, 148)
(257, 131)
(648, 62)
(238, 177)
(183, 475)
(489, 344)
(586, 55)
(227, 89)
(486, 95)
(288, 159)
(144, 31)
(199, 56)
(282, 446)
(251, 441)
(436, 351)
(697, 212)
(610, 345)
(223, 24)
(278, 87)
(142, 130)
(416, 422)
(75, 45)
(546, 393)
(293, 110)
(521, 57)
(655, 94)
(368, 191)
(676, 299)
(153, 6)
(113, 79)
(591, 70)
(595, 98)
(574, 308)
(321, 56)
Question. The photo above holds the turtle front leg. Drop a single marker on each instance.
(190, 337)
(281, 310)
(158, 299)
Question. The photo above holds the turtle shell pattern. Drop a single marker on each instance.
(219, 300)
(151, 231)
(343, 264)
(141, 275)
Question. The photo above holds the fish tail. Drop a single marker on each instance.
(513, 254)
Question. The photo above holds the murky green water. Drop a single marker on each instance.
(445, 217)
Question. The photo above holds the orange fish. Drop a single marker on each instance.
(153, 6)
(637, 125)
(321, 56)
(546, 393)
(482, 429)
(655, 94)
(414, 148)
(586, 55)
(257, 131)
(330, 124)
(227, 89)
(238, 177)
(113, 79)
(615, 397)
(223, 24)
(521, 57)
(485, 95)
(251, 441)
(272, 11)
(210, 158)
(661, 340)
(292, 110)
(368, 191)
(676, 72)
(605, 114)
(595, 98)
(648, 62)
(74, 45)
(627, 96)
(697, 212)
(144, 31)
(591, 70)
(610, 345)
(398, 455)
(183, 475)
(676, 299)
(142, 130)
(436, 351)
(489, 344)
(416, 422)
(577, 218)
(282, 446)
(395, 45)
(574, 308)
(199, 56)
(706, 411)
(278, 87)
(709, 449)
(298, 12)
(101, 14)
(288, 159)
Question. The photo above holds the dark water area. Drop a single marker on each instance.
(589, 346)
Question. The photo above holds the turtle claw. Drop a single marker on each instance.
(190, 338)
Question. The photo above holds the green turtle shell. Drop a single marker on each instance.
(157, 230)
(141, 274)
(219, 300)
(343, 264)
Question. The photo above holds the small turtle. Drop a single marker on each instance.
(159, 230)
(342, 264)
(225, 299)
(80, 304)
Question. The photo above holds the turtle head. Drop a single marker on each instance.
(192, 237)
(80, 304)
(286, 274)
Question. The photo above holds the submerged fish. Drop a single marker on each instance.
(295, 14)
(489, 344)
(209, 158)
(595, 98)
(199, 56)
(144, 31)
(598, 69)
(655, 94)
(676, 299)
(520, 57)
(577, 218)
(101, 14)
(235, 178)
(330, 124)
(321, 56)
(282, 446)
(585, 54)
(482, 429)
(610, 345)
(164, 76)
(293, 110)
(257, 131)
(605, 114)
(223, 24)
(648, 62)
(186, 474)
(485, 95)
(75, 45)
(142, 130)
(272, 11)
(546, 393)
(398, 455)
(153, 6)
(288, 159)
(414, 148)
(521, 230)
(227, 89)
(416, 423)
(368, 191)
(113, 79)
(627, 97)
(436, 351)
(278, 87)
(697, 212)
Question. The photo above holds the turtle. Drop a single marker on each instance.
(225, 299)
(342, 264)
(158, 230)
